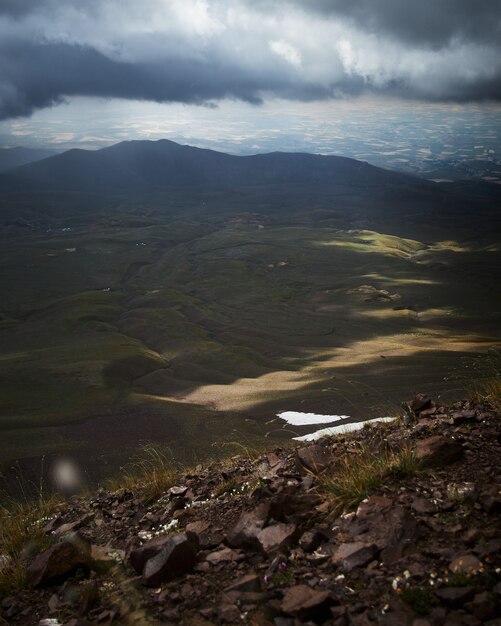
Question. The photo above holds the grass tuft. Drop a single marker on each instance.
(150, 475)
(355, 476)
(21, 537)
(488, 381)
(420, 600)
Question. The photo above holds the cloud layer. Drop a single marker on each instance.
(202, 51)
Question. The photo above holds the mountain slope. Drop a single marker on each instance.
(162, 164)
(15, 157)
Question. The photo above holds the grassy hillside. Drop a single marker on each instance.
(191, 319)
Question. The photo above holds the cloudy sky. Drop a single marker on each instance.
(90, 72)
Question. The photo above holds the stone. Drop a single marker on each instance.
(306, 603)
(467, 564)
(229, 613)
(56, 563)
(147, 551)
(461, 417)
(423, 506)
(250, 582)
(351, 555)
(104, 558)
(461, 618)
(176, 558)
(203, 533)
(223, 556)
(66, 528)
(241, 598)
(419, 403)
(437, 451)
(177, 491)
(455, 597)
(482, 606)
(314, 458)
(390, 527)
(244, 533)
(491, 502)
(311, 540)
(276, 537)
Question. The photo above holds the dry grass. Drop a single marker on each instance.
(487, 386)
(355, 476)
(21, 537)
(150, 475)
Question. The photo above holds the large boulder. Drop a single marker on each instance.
(276, 537)
(57, 563)
(351, 555)
(244, 533)
(314, 459)
(306, 603)
(389, 526)
(438, 451)
(139, 557)
(176, 558)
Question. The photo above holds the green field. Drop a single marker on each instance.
(190, 321)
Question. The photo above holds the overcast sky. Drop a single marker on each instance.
(59, 53)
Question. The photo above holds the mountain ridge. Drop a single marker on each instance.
(164, 163)
(17, 156)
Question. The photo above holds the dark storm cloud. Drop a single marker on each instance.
(202, 51)
(417, 21)
(36, 76)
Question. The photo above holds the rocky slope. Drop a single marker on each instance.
(264, 541)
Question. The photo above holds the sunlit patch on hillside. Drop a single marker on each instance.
(373, 242)
(245, 393)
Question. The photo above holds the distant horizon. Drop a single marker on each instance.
(398, 84)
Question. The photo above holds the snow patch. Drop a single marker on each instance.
(296, 418)
(342, 429)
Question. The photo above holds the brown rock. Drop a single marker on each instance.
(460, 417)
(229, 613)
(467, 564)
(223, 556)
(244, 533)
(310, 540)
(388, 526)
(455, 596)
(56, 563)
(305, 603)
(104, 558)
(437, 451)
(147, 551)
(461, 618)
(491, 501)
(177, 491)
(423, 506)
(314, 458)
(482, 606)
(203, 533)
(247, 583)
(351, 555)
(176, 558)
(241, 598)
(276, 537)
(419, 403)
(66, 528)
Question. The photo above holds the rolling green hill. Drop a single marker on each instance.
(189, 315)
